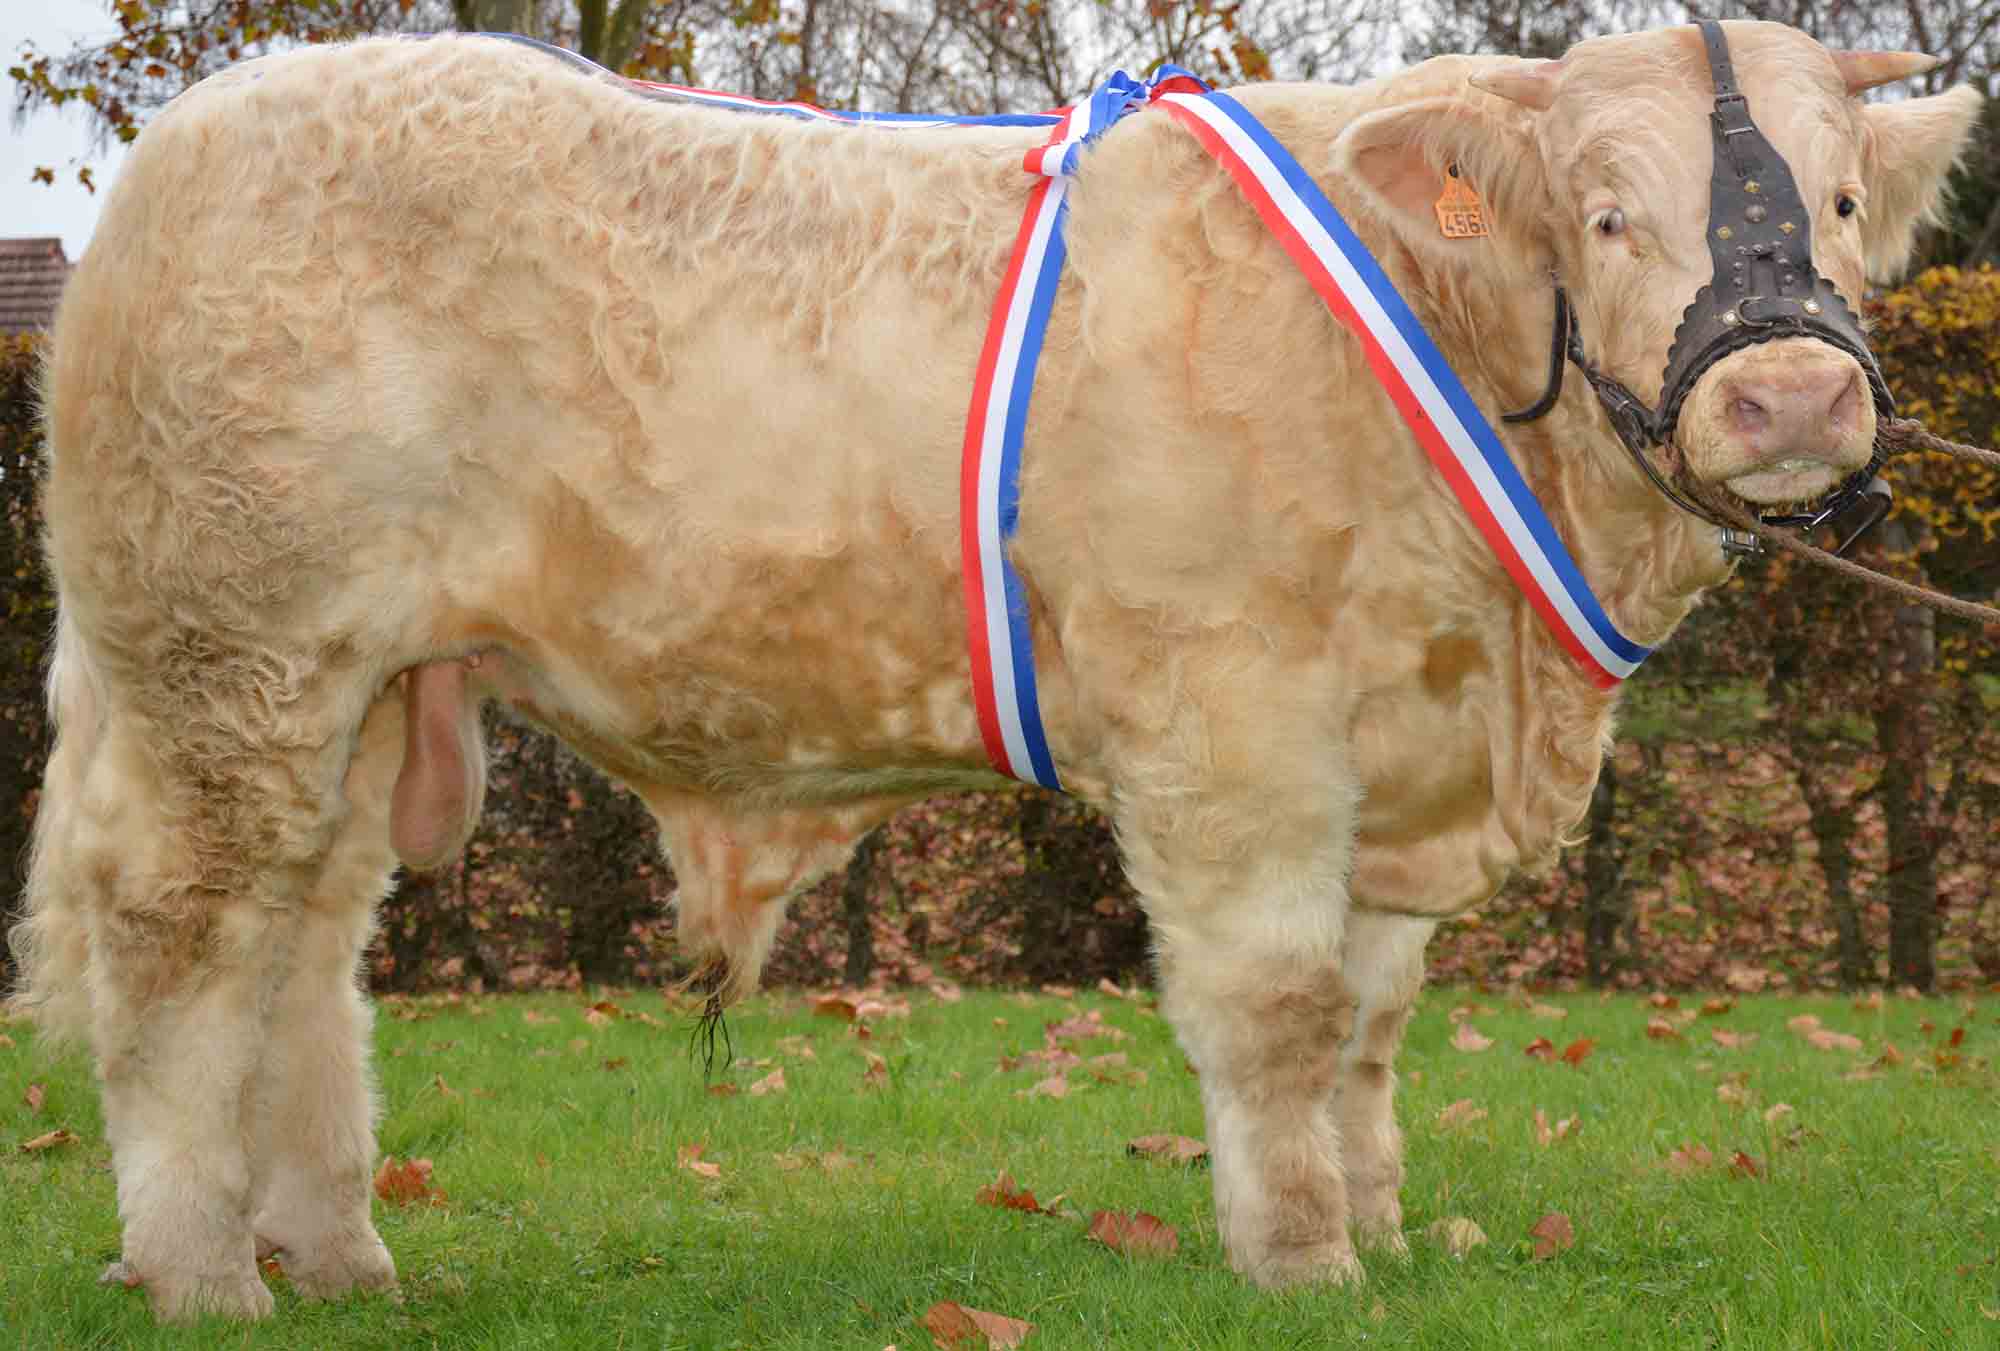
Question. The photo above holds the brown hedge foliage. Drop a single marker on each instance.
(29, 618)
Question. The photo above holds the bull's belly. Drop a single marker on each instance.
(794, 740)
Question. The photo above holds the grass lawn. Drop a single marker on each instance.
(1864, 1210)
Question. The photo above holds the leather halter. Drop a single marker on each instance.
(1764, 287)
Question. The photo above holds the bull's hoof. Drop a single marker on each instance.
(182, 1298)
(1319, 1264)
(1381, 1236)
(332, 1268)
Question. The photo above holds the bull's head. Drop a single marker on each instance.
(1714, 261)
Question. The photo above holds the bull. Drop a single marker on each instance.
(405, 376)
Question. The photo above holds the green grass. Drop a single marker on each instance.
(1875, 1221)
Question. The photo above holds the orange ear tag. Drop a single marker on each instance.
(1461, 215)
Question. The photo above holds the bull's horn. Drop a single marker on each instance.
(1865, 70)
(1530, 83)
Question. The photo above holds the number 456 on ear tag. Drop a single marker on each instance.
(1461, 215)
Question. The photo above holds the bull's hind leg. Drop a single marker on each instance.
(313, 1141)
(196, 830)
(1383, 964)
(1246, 908)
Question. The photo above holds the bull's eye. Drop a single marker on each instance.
(1844, 206)
(1611, 222)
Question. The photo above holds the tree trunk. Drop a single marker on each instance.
(854, 895)
(1832, 826)
(1904, 715)
(1604, 901)
(1903, 735)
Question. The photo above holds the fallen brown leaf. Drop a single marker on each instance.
(1464, 1112)
(1547, 1011)
(1715, 1007)
(774, 1082)
(1456, 1234)
(723, 1090)
(1090, 1025)
(1746, 979)
(1578, 1049)
(1005, 1194)
(833, 1006)
(1690, 1159)
(946, 992)
(1140, 1234)
(1055, 1086)
(690, 1159)
(1106, 986)
(1467, 1038)
(954, 1325)
(1777, 1111)
(877, 1073)
(54, 1139)
(1541, 1048)
(1803, 1023)
(1552, 1233)
(403, 1184)
(1733, 1041)
(1742, 1165)
(1828, 1040)
(1736, 1095)
(1662, 1001)
(1565, 1129)
(1659, 1029)
(35, 1096)
(1168, 1148)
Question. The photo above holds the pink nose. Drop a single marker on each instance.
(1798, 410)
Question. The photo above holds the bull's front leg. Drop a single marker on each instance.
(1383, 962)
(1248, 926)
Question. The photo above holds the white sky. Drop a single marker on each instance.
(60, 140)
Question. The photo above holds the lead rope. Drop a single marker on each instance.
(1899, 437)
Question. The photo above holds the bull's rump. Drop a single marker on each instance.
(477, 350)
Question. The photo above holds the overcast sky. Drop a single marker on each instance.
(58, 139)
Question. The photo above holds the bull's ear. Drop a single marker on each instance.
(1401, 159)
(1909, 146)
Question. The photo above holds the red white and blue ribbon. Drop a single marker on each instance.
(1417, 378)
(996, 608)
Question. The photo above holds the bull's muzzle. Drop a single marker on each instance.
(1781, 422)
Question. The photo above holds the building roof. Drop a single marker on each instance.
(32, 273)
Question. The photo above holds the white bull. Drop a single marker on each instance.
(391, 356)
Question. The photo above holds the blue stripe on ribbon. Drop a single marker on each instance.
(1022, 388)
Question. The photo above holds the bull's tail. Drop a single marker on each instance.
(51, 941)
